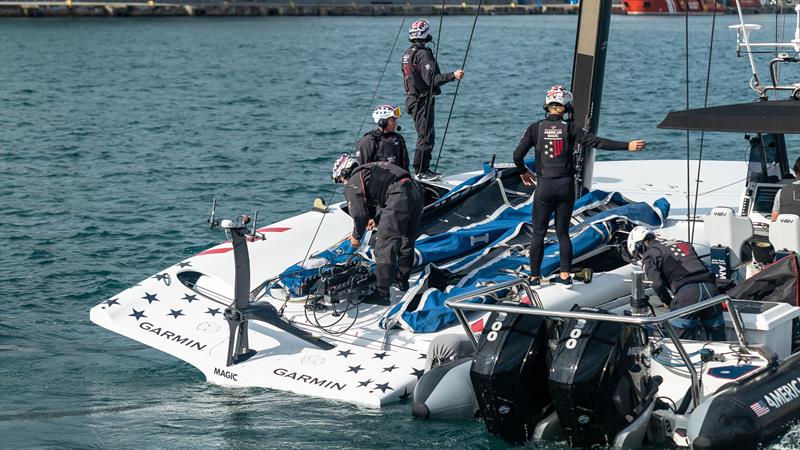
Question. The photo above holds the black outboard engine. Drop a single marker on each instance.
(509, 374)
(597, 381)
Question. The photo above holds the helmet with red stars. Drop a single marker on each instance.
(342, 167)
(385, 112)
(420, 29)
(558, 95)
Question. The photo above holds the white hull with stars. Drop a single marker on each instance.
(367, 366)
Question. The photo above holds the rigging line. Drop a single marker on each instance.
(375, 91)
(316, 232)
(705, 104)
(688, 155)
(783, 35)
(458, 83)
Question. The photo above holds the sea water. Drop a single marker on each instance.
(115, 134)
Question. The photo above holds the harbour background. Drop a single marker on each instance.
(116, 135)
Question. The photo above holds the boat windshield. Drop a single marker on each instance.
(768, 169)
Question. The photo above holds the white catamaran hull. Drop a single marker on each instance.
(367, 366)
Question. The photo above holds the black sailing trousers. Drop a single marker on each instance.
(422, 112)
(552, 195)
(397, 230)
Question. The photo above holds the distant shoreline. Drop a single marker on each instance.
(254, 9)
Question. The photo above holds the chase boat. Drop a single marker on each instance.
(617, 375)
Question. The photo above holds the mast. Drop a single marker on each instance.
(588, 68)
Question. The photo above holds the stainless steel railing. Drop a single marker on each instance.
(458, 305)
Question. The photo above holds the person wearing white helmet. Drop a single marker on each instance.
(422, 80)
(680, 279)
(383, 193)
(554, 139)
(384, 143)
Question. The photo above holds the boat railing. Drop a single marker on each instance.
(459, 304)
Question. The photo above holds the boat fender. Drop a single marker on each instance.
(448, 347)
(749, 412)
(445, 392)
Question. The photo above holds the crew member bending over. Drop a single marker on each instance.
(384, 190)
(674, 267)
(383, 143)
(554, 139)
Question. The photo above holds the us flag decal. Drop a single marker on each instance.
(558, 146)
(760, 408)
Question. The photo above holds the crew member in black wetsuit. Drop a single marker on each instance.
(422, 81)
(383, 143)
(673, 266)
(787, 199)
(554, 139)
(385, 190)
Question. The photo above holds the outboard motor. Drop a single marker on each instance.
(509, 374)
(597, 380)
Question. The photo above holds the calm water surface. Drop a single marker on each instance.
(116, 134)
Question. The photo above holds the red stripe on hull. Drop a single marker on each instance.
(212, 251)
(273, 229)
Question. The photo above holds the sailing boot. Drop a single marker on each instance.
(377, 298)
(562, 282)
(400, 283)
(427, 175)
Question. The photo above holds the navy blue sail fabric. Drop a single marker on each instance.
(423, 307)
(477, 213)
(468, 211)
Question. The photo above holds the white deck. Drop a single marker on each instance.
(162, 313)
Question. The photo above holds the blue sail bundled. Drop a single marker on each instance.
(423, 308)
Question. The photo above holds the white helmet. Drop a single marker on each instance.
(559, 95)
(342, 167)
(384, 112)
(419, 29)
(636, 236)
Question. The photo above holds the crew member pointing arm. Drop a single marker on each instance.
(554, 139)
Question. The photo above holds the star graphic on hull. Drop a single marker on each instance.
(417, 373)
(405, 395)
(213, 311)
(137, 314)
(422, 356)
(354, 369)
(364, 383)
(161, 277)
(175, 313)
(390, 368)
(190, 297)
(150, 298)
(112, 301)
(380, 355)
(184, 264)
(345, 353)
(383, 387)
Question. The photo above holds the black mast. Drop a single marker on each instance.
(588, 67)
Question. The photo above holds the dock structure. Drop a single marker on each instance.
(154, 8)
(174, 8)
